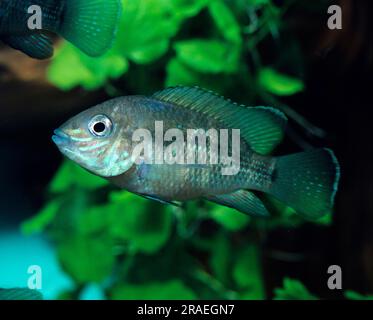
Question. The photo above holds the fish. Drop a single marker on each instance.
(20, 294)
(90, 25)
(101, 140)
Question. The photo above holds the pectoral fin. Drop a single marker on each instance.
(37, 45)
(242, 200)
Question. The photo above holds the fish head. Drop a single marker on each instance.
(97, 139)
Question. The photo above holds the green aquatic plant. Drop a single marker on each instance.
(293, 290)
(130, 245)
(162, 33)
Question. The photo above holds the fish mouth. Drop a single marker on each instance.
(60, 138)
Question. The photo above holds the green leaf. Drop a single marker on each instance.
(145, 29)
(187, 8)
(95, 220)
(279, 84)
(144, 223)
(220, 260)
(247, 274)
(74, 205)
(210, 288)
(188, 218)
(352, 295)
(86, 259)
(208, 56)
(167, 290)
(230, 219)
(70, 174)
(326, 220)
(71, 68)
(293, 290)
(226, 21)
(42, 219)
(179, 74)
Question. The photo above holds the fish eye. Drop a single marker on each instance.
(100, 126)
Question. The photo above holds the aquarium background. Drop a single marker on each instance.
(93, 241)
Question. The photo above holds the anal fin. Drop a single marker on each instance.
(37, 46)
(242, 200)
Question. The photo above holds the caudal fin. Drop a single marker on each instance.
(91, 25)
(307, 182)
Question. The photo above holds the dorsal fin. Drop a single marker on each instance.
(261, 127)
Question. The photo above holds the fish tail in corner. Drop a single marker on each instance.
(307, 182)
(91, 25)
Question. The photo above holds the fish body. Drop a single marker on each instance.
(188, 180)
(89, 24)
(306, 181)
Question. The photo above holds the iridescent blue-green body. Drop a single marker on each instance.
(101, 139)
(88, 24)
(187, 181)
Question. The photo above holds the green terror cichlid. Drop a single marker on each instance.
(89, 24)
(101, 140)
